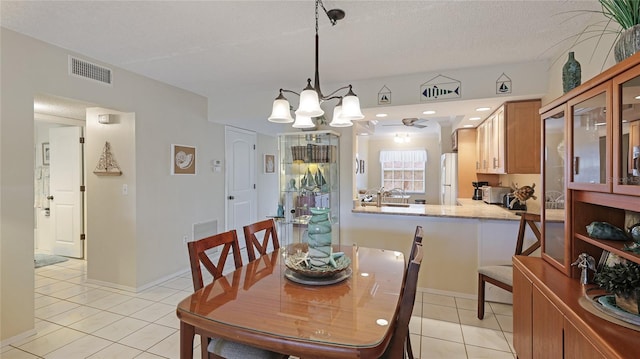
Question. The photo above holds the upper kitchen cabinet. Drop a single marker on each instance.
(590, 139)
(626, 127)
(508, 141)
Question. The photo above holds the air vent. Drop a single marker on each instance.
(87, 70)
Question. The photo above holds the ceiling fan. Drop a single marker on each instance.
(412, 122)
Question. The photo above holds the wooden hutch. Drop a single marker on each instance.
(590, 157)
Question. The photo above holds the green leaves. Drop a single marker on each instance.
(625, 12)
(621, 278)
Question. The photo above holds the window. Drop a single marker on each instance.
(403, 169)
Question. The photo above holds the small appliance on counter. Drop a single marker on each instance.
(494, 194)
(510, 202)
(477, 190)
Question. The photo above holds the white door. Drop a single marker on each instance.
(242, 198)
(66, 178)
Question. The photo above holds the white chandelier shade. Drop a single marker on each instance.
(351, 107)
(303, 122)
(338, 120)
(309, 102)
(281, 112)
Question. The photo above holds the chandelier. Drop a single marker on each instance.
(346, 110)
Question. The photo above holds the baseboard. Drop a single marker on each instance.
(18, 338)
(142, 287)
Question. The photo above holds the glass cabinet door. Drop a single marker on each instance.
(555, 245)
(590, 140)
(626, 126)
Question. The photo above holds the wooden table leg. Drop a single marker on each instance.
(187, 332)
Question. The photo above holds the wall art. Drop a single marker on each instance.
(269, 163)
(107, 164)
(45, 153)
(440, 88)
(183, 160)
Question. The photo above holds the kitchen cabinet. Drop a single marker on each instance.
(508, 141)
(309, 177)
(626, 132)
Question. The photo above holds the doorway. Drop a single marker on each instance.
(59, 204)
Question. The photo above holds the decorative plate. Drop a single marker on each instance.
(301, 279)
(296, 263)
(608, 303)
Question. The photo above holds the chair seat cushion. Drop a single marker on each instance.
(232, 350)
(502, 274)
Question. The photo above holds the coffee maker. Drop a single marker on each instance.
(477, 190)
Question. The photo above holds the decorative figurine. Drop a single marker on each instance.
(522, 193)
(585, 262)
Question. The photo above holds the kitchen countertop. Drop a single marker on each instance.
(467, 208)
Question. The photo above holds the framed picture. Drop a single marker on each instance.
(608, 259)
(45, 153)
(183, 160)
(269, 163)
(362, 166)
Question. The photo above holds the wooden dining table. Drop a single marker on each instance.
(259, 306)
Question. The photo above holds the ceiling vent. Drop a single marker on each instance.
(88, 70)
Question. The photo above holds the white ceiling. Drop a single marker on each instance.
(235, 46)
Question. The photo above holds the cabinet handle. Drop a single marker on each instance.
(232, 197)
(576, 165)
(495, 162)
(477, 165)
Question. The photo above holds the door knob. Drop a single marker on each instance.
(50, 198)
(232, 197)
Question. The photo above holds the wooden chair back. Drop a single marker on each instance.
(268, 229)
(529, 219)
(197, 254)
(400, 346)
(417, 239)
(500, 275)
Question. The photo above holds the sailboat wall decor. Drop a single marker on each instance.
(107, 164)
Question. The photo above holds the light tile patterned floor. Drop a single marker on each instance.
(75, 319)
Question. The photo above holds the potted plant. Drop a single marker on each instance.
(625, 13)
(622, 279)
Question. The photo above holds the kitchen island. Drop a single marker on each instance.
(457, 240)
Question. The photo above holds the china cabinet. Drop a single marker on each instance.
(508, 141)
(555, 214)
(309, 177)
(593, 125)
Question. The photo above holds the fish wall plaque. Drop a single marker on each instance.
(439, 88)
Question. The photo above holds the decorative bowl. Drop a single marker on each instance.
(296, 263)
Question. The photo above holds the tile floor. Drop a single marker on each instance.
(75, 319)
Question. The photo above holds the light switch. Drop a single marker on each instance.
(125, 189)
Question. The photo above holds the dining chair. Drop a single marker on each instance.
(216, 348)
(400, 346)
(502, 275)
(268, 229)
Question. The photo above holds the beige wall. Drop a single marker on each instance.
(159, 209)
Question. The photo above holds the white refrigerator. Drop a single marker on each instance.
(449, 178)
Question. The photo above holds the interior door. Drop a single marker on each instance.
(66, 178)
(242, 209)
